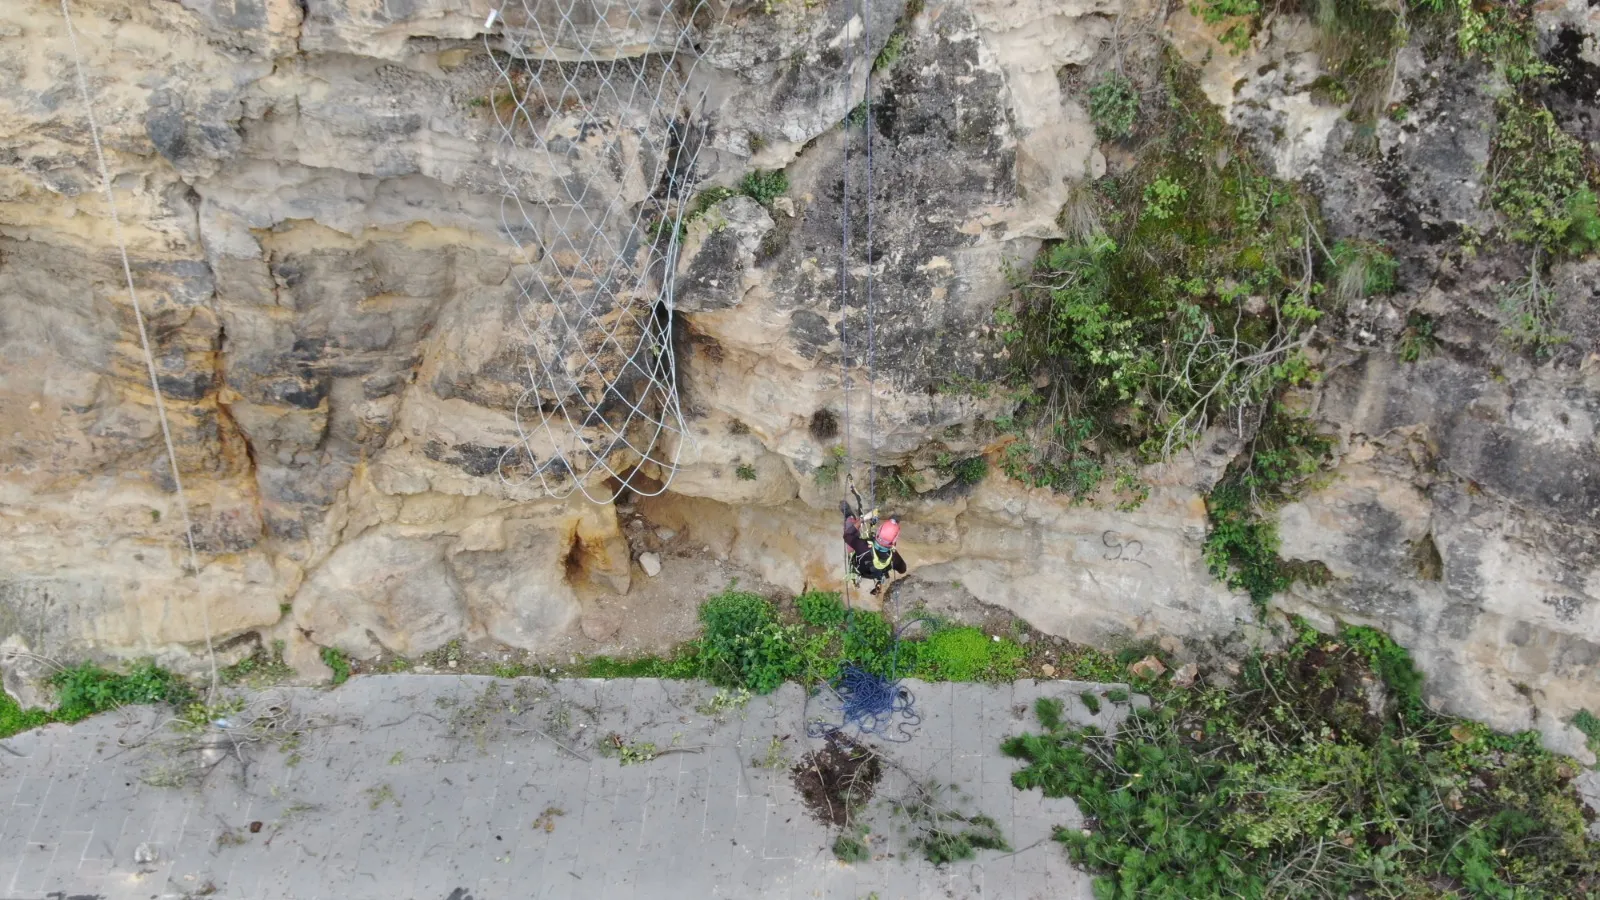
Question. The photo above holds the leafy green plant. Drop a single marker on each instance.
(86, 689)
(681, 666)
(262, 667)
(1501, 33)
(723, 701)
(1056, 454)
(335, 659)
(1214, 11)
(1143, 334)
(1589, 724)
(1049, 711)
(960, 838)
(1241, 547)
(747, 647)
(1131, 491)
(631, 753)
(743, 644)
(1161, 198)
(897, 484)
(745, 472)
(764, 186)
(966, 654)
(1090, 664)
(1285, 451)
(890, 54)
(705, 200)
(1542, 184)
(851, 848)
(1113, 106)
(1540, 179)
(15, 720)
(823, 609)
(869, 644)
(1417, 341)
(972, 471)
(827, 473)
(969, 471)
(1290, 785)
(1583, 230)
(1361, 269)
(1090, 702)
(1237, 35)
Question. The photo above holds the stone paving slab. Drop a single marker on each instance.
(426, 787)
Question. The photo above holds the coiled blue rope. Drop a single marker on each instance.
(866, 701)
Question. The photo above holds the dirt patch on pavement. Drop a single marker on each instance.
(838, 780)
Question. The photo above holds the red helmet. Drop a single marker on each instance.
(888, 533)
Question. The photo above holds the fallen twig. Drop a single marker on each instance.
(552, 740)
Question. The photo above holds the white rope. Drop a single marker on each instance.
(144, 336)
(595, 291)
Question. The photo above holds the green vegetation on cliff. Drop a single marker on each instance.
(86, 689)
(1320, 774)
(745, 643)
(1189, 292)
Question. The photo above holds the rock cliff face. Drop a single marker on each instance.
(310, 199)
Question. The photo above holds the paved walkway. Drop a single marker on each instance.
(448, 788)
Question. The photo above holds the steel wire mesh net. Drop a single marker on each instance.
(598, 135)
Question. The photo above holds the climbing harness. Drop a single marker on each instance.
(193, 569)
(866, 525)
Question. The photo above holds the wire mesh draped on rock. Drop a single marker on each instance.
(598, 135)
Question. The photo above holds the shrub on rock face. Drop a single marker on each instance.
(1197, 298)
(1113, 106)
(1541, 182)
(765, 186)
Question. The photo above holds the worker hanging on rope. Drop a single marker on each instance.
(871, 545)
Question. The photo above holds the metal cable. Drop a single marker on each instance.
(144, 336)
(872, 435)
(844, 272)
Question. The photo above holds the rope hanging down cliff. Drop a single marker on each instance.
(865, 700)
(144, 335)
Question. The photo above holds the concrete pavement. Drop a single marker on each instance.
(431, 787)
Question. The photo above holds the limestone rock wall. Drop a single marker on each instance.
(310, 195)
